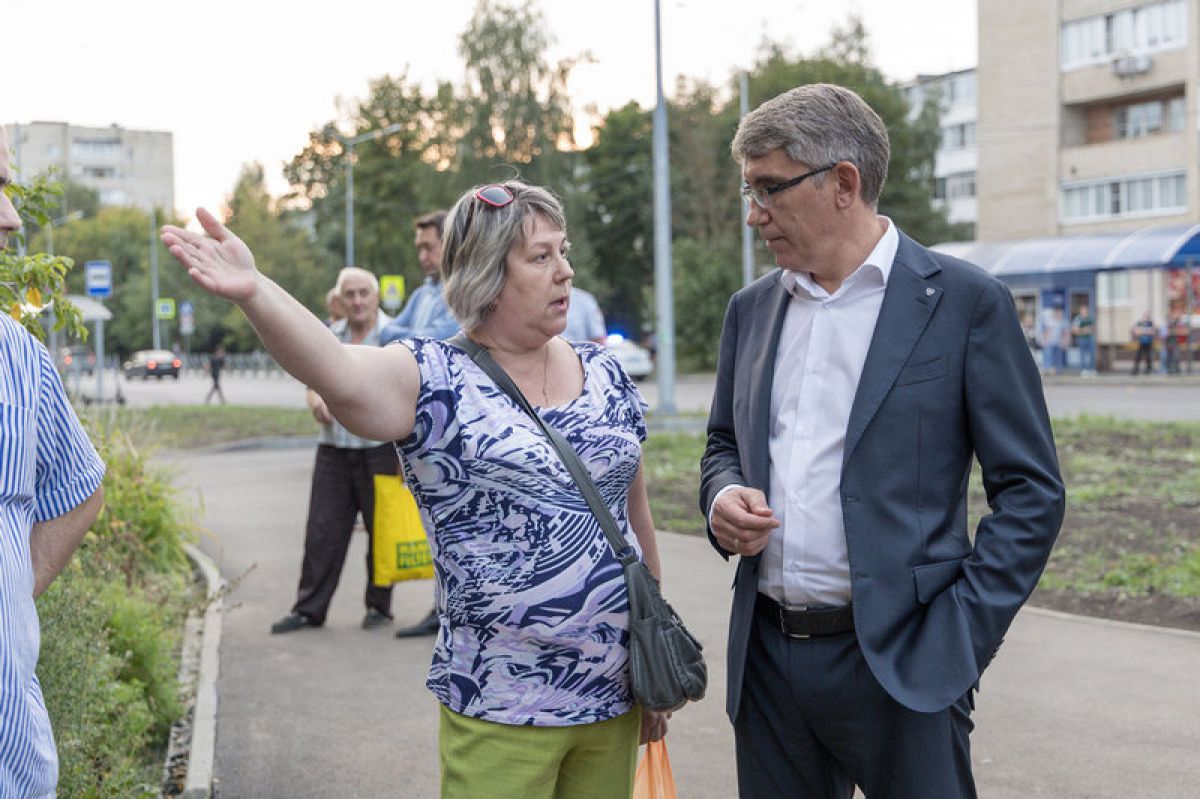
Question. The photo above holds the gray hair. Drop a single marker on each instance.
(355, 271)
(476, 243)
(819, 124)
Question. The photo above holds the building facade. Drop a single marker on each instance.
(957, 155)
(1087, 125)
(125, 167)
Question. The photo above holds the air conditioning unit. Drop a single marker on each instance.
(1129, 65)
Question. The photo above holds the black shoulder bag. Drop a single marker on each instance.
(666, 664)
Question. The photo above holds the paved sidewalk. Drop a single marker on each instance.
(1071, 707)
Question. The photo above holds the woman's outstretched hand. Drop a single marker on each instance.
(220, 262)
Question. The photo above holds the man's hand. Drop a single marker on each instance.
(654, 725)
(742, 521)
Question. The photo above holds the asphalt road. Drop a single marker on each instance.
(1155, 397)
(1070, 708)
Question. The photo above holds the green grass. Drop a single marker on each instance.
(1133, 488)
(191, 426)
(1133, 503)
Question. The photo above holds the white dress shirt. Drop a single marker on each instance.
(822, 348)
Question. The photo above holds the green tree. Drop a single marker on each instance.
(396, 178)
(283, 252)
(121, 236)
(514, 109)
(617, 216)
(908, 193)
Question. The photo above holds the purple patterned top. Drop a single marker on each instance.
(533, 608)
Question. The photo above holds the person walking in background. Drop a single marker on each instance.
(216, 363)
(530, 667)
(1055, 335)
(1143, 334)
(1170, 345)
(343, 481)
(1083, 329)
(426, 315)
(50, 493)
(585, 321)
(426, 312)
(855, 386)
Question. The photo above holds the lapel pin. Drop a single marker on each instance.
(930, 292)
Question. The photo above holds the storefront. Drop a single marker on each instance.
(1118, 276)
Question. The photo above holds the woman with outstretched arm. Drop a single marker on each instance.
(531, 661)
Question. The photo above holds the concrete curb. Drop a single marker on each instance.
(1099, 621)
(204, 713)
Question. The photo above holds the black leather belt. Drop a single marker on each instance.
(803, 622)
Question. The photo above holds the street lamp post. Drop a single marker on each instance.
(348, 144)
(663, 291)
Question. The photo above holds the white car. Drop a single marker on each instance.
(634, 359)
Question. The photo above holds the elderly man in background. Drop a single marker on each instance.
(343, 481)
(50, 493)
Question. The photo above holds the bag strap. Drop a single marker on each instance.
(620, 547)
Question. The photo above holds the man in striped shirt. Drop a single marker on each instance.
(49, 496)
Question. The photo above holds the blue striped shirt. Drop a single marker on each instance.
(47, 467)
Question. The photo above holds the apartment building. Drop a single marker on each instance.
(957, 155)
(1087, 127)
(125, 167)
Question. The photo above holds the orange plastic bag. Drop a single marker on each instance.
(654, 779)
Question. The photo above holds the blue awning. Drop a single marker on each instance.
(1144, 248)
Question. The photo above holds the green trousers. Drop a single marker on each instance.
(502, 761)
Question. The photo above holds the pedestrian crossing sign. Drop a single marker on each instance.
(391, 292)
(165, 308)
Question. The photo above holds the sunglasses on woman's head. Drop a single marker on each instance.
(494, 195)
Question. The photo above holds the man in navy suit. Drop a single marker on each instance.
(855, 385)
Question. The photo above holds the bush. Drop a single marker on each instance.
(110, 634)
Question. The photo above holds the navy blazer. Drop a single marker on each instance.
(948, 376)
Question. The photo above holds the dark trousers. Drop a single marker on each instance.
(814, 722)
(343, 486)
(1144, 352)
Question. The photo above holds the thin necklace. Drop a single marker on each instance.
(545, 376)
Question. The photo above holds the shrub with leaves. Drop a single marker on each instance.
(33, 283)
(110, 633)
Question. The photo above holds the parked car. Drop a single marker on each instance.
(634, 359)
(77, 358)
(152, 363)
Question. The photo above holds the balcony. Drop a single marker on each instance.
(1125, 76)
(1154, 153)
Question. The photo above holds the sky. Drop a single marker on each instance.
(239, 81)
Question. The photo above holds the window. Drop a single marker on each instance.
(96, 149)
(956, 137)
(1146, 119)
(1176, 114)
(1140, 119)
(1142, 195)
(99, 172)
(1112, 288)
(960, 186)
(1136, 31)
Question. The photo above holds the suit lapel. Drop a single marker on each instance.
(908, 303)
(769, 311)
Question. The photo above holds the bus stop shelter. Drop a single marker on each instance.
(1068, 271)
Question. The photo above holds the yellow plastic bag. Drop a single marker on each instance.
(400, 550)
(654, 779)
